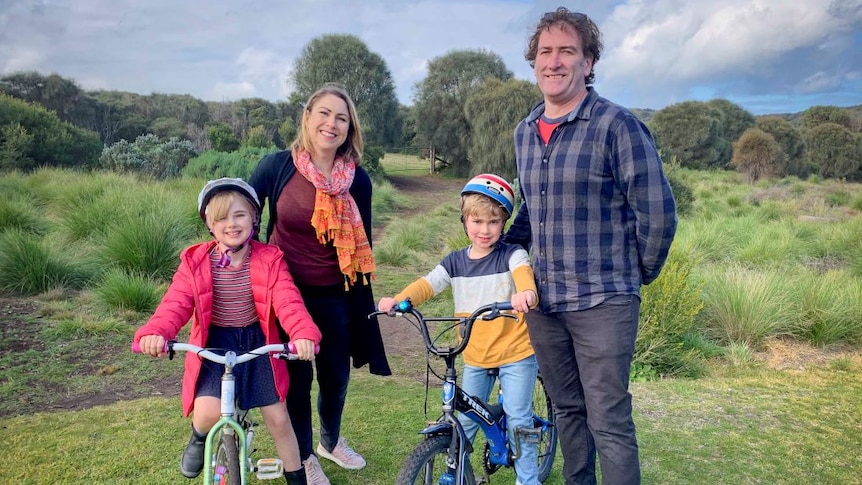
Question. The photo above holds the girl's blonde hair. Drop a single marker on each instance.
(352, 146)
(481, 205)
(219, 206)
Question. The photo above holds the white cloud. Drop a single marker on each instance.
(656, 51)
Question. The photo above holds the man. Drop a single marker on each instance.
(600, 217)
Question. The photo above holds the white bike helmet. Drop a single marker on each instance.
(213, 187)
(494, 187)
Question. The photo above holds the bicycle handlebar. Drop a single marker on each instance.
(287, 350)
(490, 311)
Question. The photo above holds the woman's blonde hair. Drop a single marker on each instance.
(352, 146)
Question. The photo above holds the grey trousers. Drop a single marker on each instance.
(584, 358)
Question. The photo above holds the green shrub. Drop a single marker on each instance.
(215, 164)
(745, 306)
(29, 267)
(147, 245)
(122, 290)
(667, 316)
(149, 155)
(682, 194)
(838, 198)
(830, 305)
(19, 213)
(41, 139)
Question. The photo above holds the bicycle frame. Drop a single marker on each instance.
(228, 422)
(490, 417)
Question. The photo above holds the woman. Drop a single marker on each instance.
(320, 217)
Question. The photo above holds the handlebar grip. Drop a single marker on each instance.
(291, 348)
(504, 305)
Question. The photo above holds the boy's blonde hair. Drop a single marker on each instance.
(481, 205)
(219, 205)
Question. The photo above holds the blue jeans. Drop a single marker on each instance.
(585, 358)
(329, 308)
(517, 381)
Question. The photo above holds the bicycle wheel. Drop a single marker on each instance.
(543, 412)
(427, 463)
(226, 466)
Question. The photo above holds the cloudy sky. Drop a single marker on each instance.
(769, 56)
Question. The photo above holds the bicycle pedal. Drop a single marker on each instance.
(269, 468)
(531, 436)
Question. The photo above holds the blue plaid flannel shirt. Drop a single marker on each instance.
(598, 214)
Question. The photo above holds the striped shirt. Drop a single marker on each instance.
(476, 282)
(233, 303)
(598, 212)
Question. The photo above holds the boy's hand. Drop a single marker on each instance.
(521, 302)
(386, 304)
(153, 345)
(304, 348)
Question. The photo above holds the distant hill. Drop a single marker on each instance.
(645, 114)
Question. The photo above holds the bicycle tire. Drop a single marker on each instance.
(430, 456)
(544, 409)
(227, 456)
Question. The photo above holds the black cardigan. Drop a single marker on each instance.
(268, 179)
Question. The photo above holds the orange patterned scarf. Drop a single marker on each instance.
(336, 216)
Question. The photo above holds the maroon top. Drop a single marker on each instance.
(311, 263)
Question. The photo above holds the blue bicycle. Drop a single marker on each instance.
(443, 457)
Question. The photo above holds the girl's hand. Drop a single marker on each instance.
(304, 348)
(153, 345)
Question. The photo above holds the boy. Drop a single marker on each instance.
(238, 290)
(488, 271)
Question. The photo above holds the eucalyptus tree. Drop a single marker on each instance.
(788, 138)
(346, 60)
(440, 99)
(734, 119)
(834, 150)
(691, 132)
(493, 111)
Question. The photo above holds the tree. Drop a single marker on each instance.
(48, 141)
(440, 98)
(789, 139)
(492, 111)
(691, 131)
(734, 119)
(346, 60)
(758, 155)
(819, 115)
(222, 138)
(834, 150)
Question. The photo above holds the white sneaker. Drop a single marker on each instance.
(313, 473)
(342, 455)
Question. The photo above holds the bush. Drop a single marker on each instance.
(149, 155)
(667, 316)
(32, 137)
(682, 194)
(214, 164)
(126, 291)
(28, 267)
